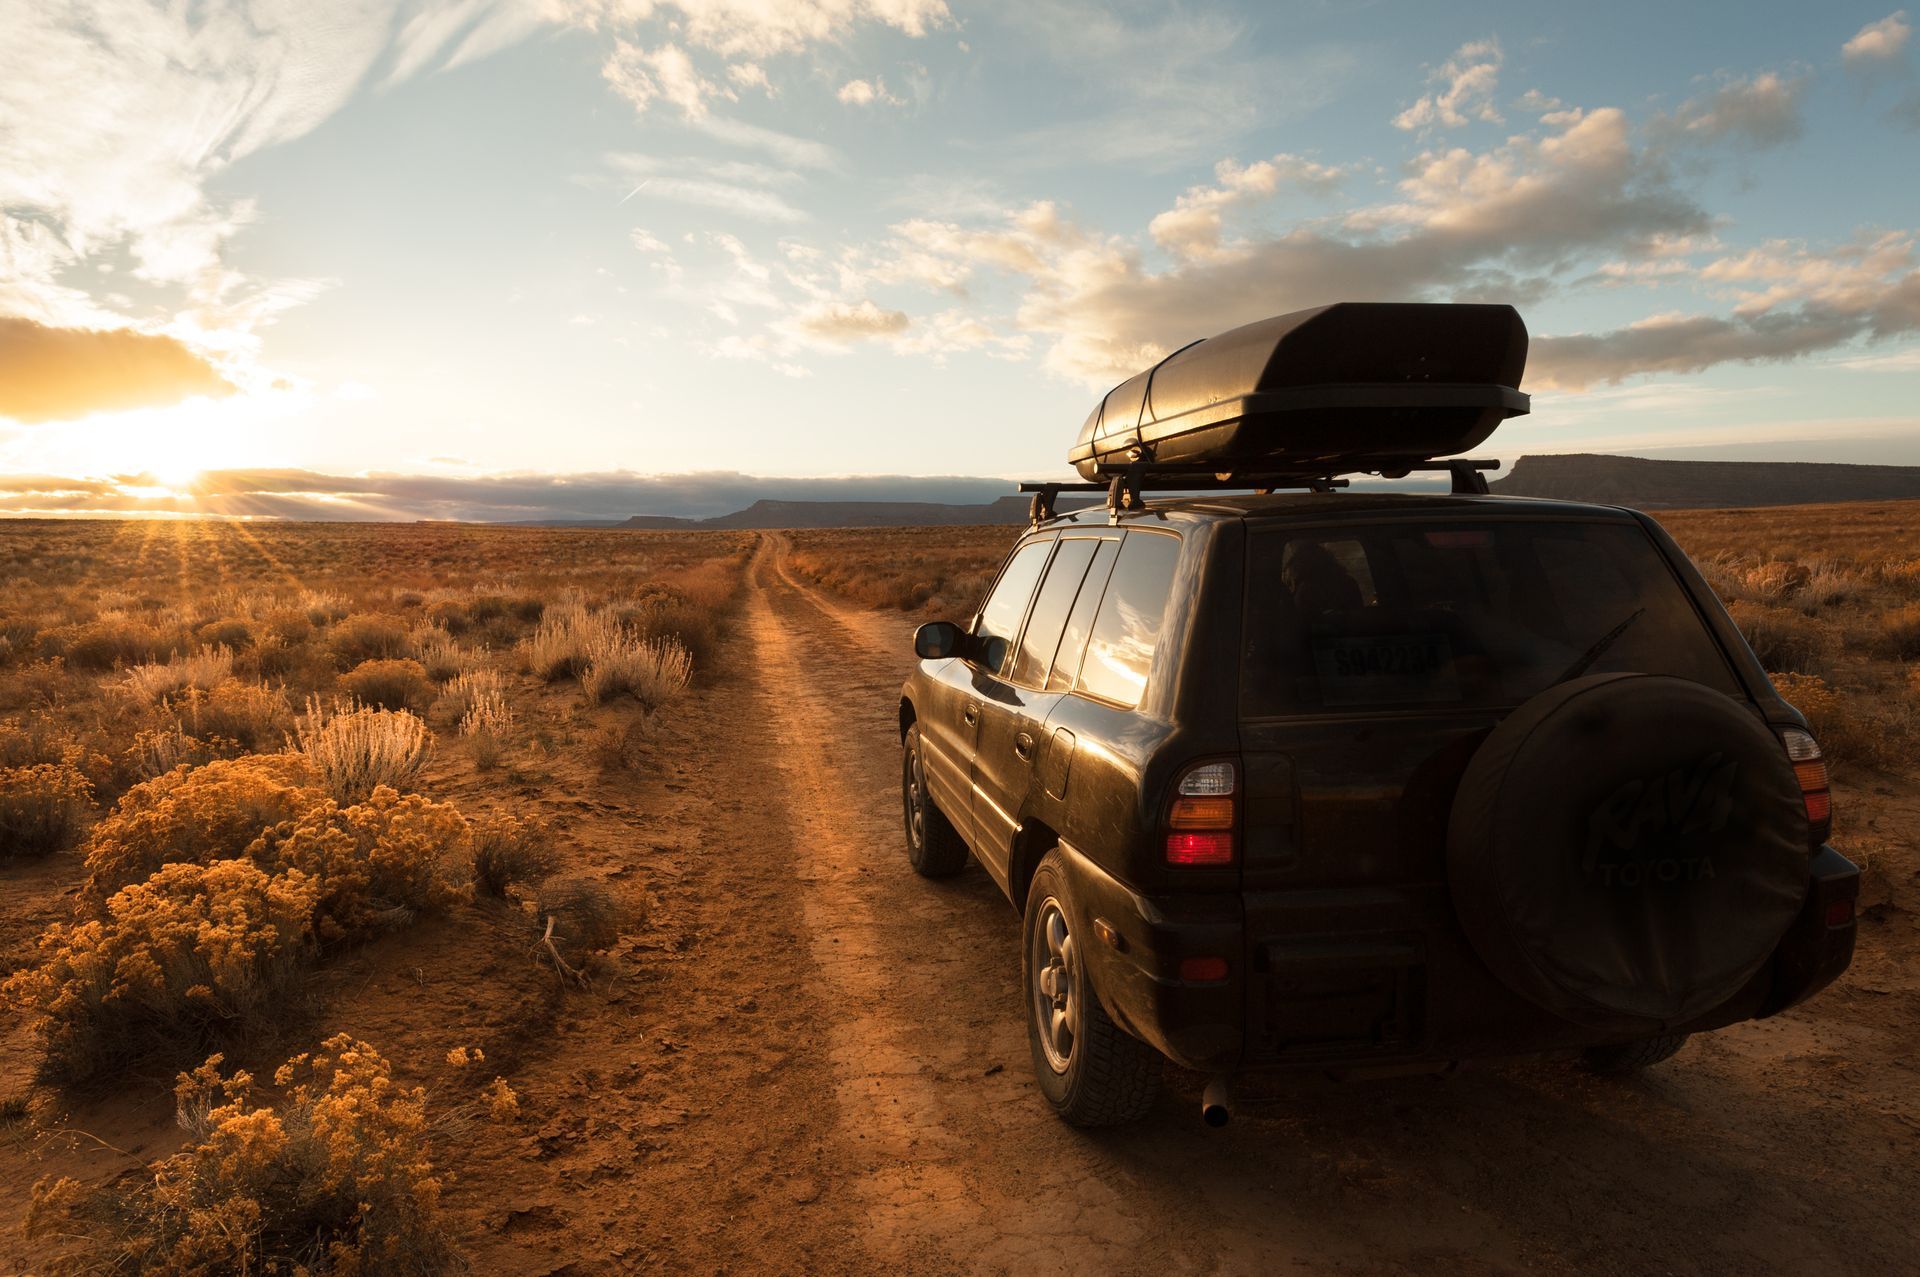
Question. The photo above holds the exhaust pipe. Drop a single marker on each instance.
(1216, 1102)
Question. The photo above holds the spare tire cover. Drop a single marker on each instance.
(1626, 850)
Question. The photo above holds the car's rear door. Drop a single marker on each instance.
(1015, 701)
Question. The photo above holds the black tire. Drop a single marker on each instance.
(1631, 1057)
(934, 847)
(1626, 851)
(1106, 1076)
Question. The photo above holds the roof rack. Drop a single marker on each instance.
(1125, 484)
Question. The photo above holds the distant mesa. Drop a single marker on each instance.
(1591, 477)
(1654, 485)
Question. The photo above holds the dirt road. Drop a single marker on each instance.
(1782, 1146)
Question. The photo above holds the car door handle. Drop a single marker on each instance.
(1023, 747)
(970, 715)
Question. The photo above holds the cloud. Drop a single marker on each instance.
(1760, 112)
(1878, 43)
(761, 28)
(795, 152)
(1470, 76)
(56, 374)
(667, 74)
(1191, 228)
(731, 186)
(867, 93)
(603, 495)
(842, 323)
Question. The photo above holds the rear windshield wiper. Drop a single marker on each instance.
(1599, 648)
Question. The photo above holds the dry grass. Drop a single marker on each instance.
(354, 750)
(938, 571)
(201, 671)
(652, 671)
(508, 850)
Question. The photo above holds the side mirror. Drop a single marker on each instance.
(937, 640)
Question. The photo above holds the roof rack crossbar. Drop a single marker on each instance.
(1124, 484)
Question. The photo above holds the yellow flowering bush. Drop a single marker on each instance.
(176, 958)
(43, 809)
(377, 863)
(195, 815)
(336, 1180)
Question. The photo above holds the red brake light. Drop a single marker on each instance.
(1840, 913)
(1203, 969)
(1200, 849)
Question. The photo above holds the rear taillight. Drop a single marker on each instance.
(1810, 766)
(1203, 815)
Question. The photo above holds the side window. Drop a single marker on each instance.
(1073, 643)
(1120, 649)
(1050, 609)
(1000, 616)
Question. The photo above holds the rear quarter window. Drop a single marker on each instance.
(1405, 616)
(1126, 630)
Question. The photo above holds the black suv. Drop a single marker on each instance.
(1369, 782)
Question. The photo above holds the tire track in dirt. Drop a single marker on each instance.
(921, 1054)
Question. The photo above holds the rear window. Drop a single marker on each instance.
(1403, 616)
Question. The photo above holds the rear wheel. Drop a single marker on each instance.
(1631, 1057)
(1091, 1070)
(934, 846)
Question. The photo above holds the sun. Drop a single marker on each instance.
(173, 446)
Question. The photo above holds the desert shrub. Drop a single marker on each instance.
(1784, 640)
(1829, 587)
(228, 632)
(334, 1180)
(440, 655)
(171, 960)
(390, 684)
(563, 643)
(1897, 633)
(353, 750)
(208, 813)
(471, 687)
(578, 919)
(110, 642)
(289, 626)
(375, 864)
(200, 671)
(366, 636)
(653, 671)
(507, 850)
(159, 750)
(321, 607)
(486, 725)
(43, 809)
(1776, 580)
(251, 715)
(696, 629)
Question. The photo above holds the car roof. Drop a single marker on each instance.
(1312, 506)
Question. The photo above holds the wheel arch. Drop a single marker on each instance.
(908, 715)
(1030, 846)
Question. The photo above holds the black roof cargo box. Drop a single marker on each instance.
(1348, 387)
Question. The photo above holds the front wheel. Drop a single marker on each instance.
(934, 847)
(1091, 1070)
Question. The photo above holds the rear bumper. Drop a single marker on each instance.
(1352, 977)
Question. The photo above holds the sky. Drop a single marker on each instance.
(521, 259)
